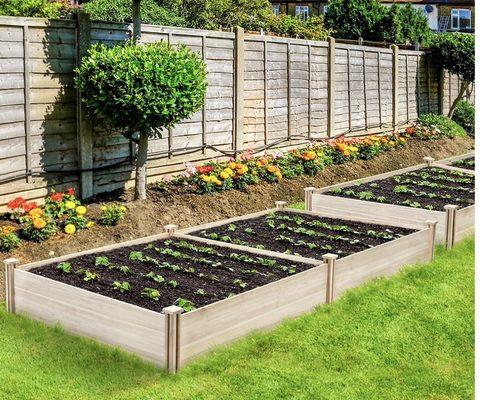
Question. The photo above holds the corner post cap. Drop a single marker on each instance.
(171, 228)
(450, 207)
(309, 189)
(329, 256)
(11, 262)
(431, 223)
(171, 310)
(280, 205)
(429, 160)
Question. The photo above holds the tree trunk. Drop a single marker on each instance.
(463, 88)
(137, 21)
(141, 168)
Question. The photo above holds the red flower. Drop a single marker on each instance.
(70, 192)
(29, 206)
(56, 196)
(16, 203)
(204, 169)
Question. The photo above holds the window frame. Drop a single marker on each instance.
(302, 11)
(276, 9)
(455, 12)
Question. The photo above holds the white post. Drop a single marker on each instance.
(429, 161)
(330, 259)
(309, 191)
(280, 205)
(170, 229)
(432, 226)
(173, 315)
(10, 265)
(450, 211)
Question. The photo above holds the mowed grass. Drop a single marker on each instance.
(408, 337)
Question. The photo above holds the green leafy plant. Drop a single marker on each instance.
(136, 90)
(465, 116)
(102, 261)
(185, 304)
(112, 214)
(38, 8)
(444, 124)
(121, 287)
(152, 294)
(88, 276)
(66, 267)
(8, 238)
(157, 278)
(32, 231)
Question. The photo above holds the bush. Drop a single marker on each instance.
(465, 116)
(286, 25)
(121, 11)
(444, 124)
(37, 8)
(404, 25)
(112, 214)
(8, 238)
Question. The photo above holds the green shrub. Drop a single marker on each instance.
(311, 28)
(446, 126)
(8, 239)
(112, 214)
(465, 116)
(404, 24)
(120, 11)
(37, 8)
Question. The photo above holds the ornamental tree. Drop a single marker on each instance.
(455, 52)
(138, 89)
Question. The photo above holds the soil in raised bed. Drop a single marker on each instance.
(429, 188)
(204, 274)
(466, 163)
(303, 234)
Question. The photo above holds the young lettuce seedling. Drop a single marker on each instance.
(152, 294)
(66, 267)
(121, 286)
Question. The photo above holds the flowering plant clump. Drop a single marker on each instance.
(246, 169)
(8, 238)
(37, 226)
(112, 214)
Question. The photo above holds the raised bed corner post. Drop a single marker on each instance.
(9, 267)
(429, 161)
(450, 213)
(309, 191)
(173, 315)
(280, 205)
(432, 226)
(329, 260)
(170, 229)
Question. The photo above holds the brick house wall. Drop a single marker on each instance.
(446, 11)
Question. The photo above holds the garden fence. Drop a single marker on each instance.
(262, 91)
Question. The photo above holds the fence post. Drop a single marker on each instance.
(330, 259)
(84, 126)
(330, 86)
(432, 226)
(9, 267)
(238, 134)
(441, 91)
(173, 315)
(395, 84)
(450, 211)
(309, 191)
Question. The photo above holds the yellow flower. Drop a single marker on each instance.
(232, 165)
(346, 153)
(39, 223)
(81, 210)
(271, 168)
(228, 171)
(90, 224)
(122, 208)
(36, 213)
(70, 229)
(103, 208)
(205, 178)
(70, 205)
(224, 175)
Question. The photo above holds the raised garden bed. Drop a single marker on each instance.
(424, 192)
(463, 163)
(172, 297)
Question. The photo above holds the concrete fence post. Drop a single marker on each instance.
(395, 85)
(84, 126)
(173, 315)
(432, 226)
(441, 91)
(10, 264)
(329, 260)
(238, 132)
(309, 191)
(450, 213)
(331, 60)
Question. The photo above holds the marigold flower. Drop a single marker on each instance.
(38, 223)
(228, 171)
(90, 224)
(271, 168)
(70, 229)
(224, 175)
(122, 208)
(103, 208)
(81, 210)
(70, 205)
(5, 230)
(232, 165)
(346, 153)
(36, 213)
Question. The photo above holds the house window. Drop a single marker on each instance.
(276, 9)
(302, 12)
(325, 9)
(461, 19)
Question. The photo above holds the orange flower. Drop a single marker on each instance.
(39, 223)
(272, 169)
(36, 213)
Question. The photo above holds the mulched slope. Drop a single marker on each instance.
(304, 235)
(214, 270)
(466, 163)
(430, 188)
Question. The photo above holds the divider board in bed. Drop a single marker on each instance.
(423, 192)
(463, 163)
(172, 297)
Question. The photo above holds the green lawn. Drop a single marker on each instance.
(409, 337)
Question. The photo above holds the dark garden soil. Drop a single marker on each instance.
(467, 163)
(430, 188)
(149, 217)
(186, 270)
(304, 235)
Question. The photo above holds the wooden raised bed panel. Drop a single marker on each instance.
(81, 312)
(260, 308)
(464, 223)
